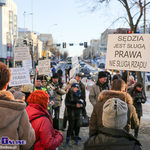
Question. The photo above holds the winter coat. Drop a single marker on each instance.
(70, 101)
(138, 99)
(96, 117)
(14, 121)
(57, 94)
(82, 88)
(112, 139)
(95, 91)
(46, 137)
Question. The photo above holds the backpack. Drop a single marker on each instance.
(32, 147)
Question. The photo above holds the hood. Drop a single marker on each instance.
(105, 95)
(10, 109)
(35, 110)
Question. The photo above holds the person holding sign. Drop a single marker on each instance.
(14, 121)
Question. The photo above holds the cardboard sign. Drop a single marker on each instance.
(21, 53)
(19, 76)
(44, 67)
(128, 52)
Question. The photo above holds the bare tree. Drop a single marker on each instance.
(134, 10)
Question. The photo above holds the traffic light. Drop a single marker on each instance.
(80, 44)
(64, 44)
(71, 44)
(85, 45)
(25, 42)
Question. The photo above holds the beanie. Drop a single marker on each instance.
(39, 97)
(75, 85)
(55, 75)
(115, 113)
(102, 74)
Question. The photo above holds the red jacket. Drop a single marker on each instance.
(48, 138)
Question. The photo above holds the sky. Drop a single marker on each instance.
(69, 21)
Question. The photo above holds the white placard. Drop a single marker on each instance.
(75, 62)
(128, 52)
(72, 72)
(27, 64)
(19, 76)
(44, 67)
(21, 53)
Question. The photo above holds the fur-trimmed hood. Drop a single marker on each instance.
(105, 95)
(10, 109)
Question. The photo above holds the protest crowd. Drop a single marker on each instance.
(30, 113)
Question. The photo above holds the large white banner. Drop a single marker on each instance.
(21, 53)
(44, 67)
(75, 62)
(128, 52)
(19, 76)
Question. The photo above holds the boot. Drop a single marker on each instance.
(67, 141)
(76, 140)
(136, 132)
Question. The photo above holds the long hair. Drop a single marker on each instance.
(118, 85)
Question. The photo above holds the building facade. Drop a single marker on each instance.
(8, 30)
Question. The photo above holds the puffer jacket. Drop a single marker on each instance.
(112, 139)
(14, 121)
(46, 137)
(95, 90)
(96, 117)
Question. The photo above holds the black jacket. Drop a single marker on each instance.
(112, 139)
(70, 101)
(138, 99)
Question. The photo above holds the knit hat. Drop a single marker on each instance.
(39, 97)
(75, 85)
(72, 81)
(55, 75)
(115, 113)
(102, 74)
(18, 95)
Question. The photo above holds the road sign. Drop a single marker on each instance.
(128, 52)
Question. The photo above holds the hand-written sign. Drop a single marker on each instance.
(128, 52)
(44, 67)
(21, 53)
(19, 76)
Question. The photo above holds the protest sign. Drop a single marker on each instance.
(75, 62)
(44, 67)
(72, 72)
(27, 64)
(128, 52)
(21, 53)
(19, 76)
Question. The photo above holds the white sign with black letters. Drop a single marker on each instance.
(21, 53)
(128, 52)
(75, 62)
(19, 76)
(44, 67)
